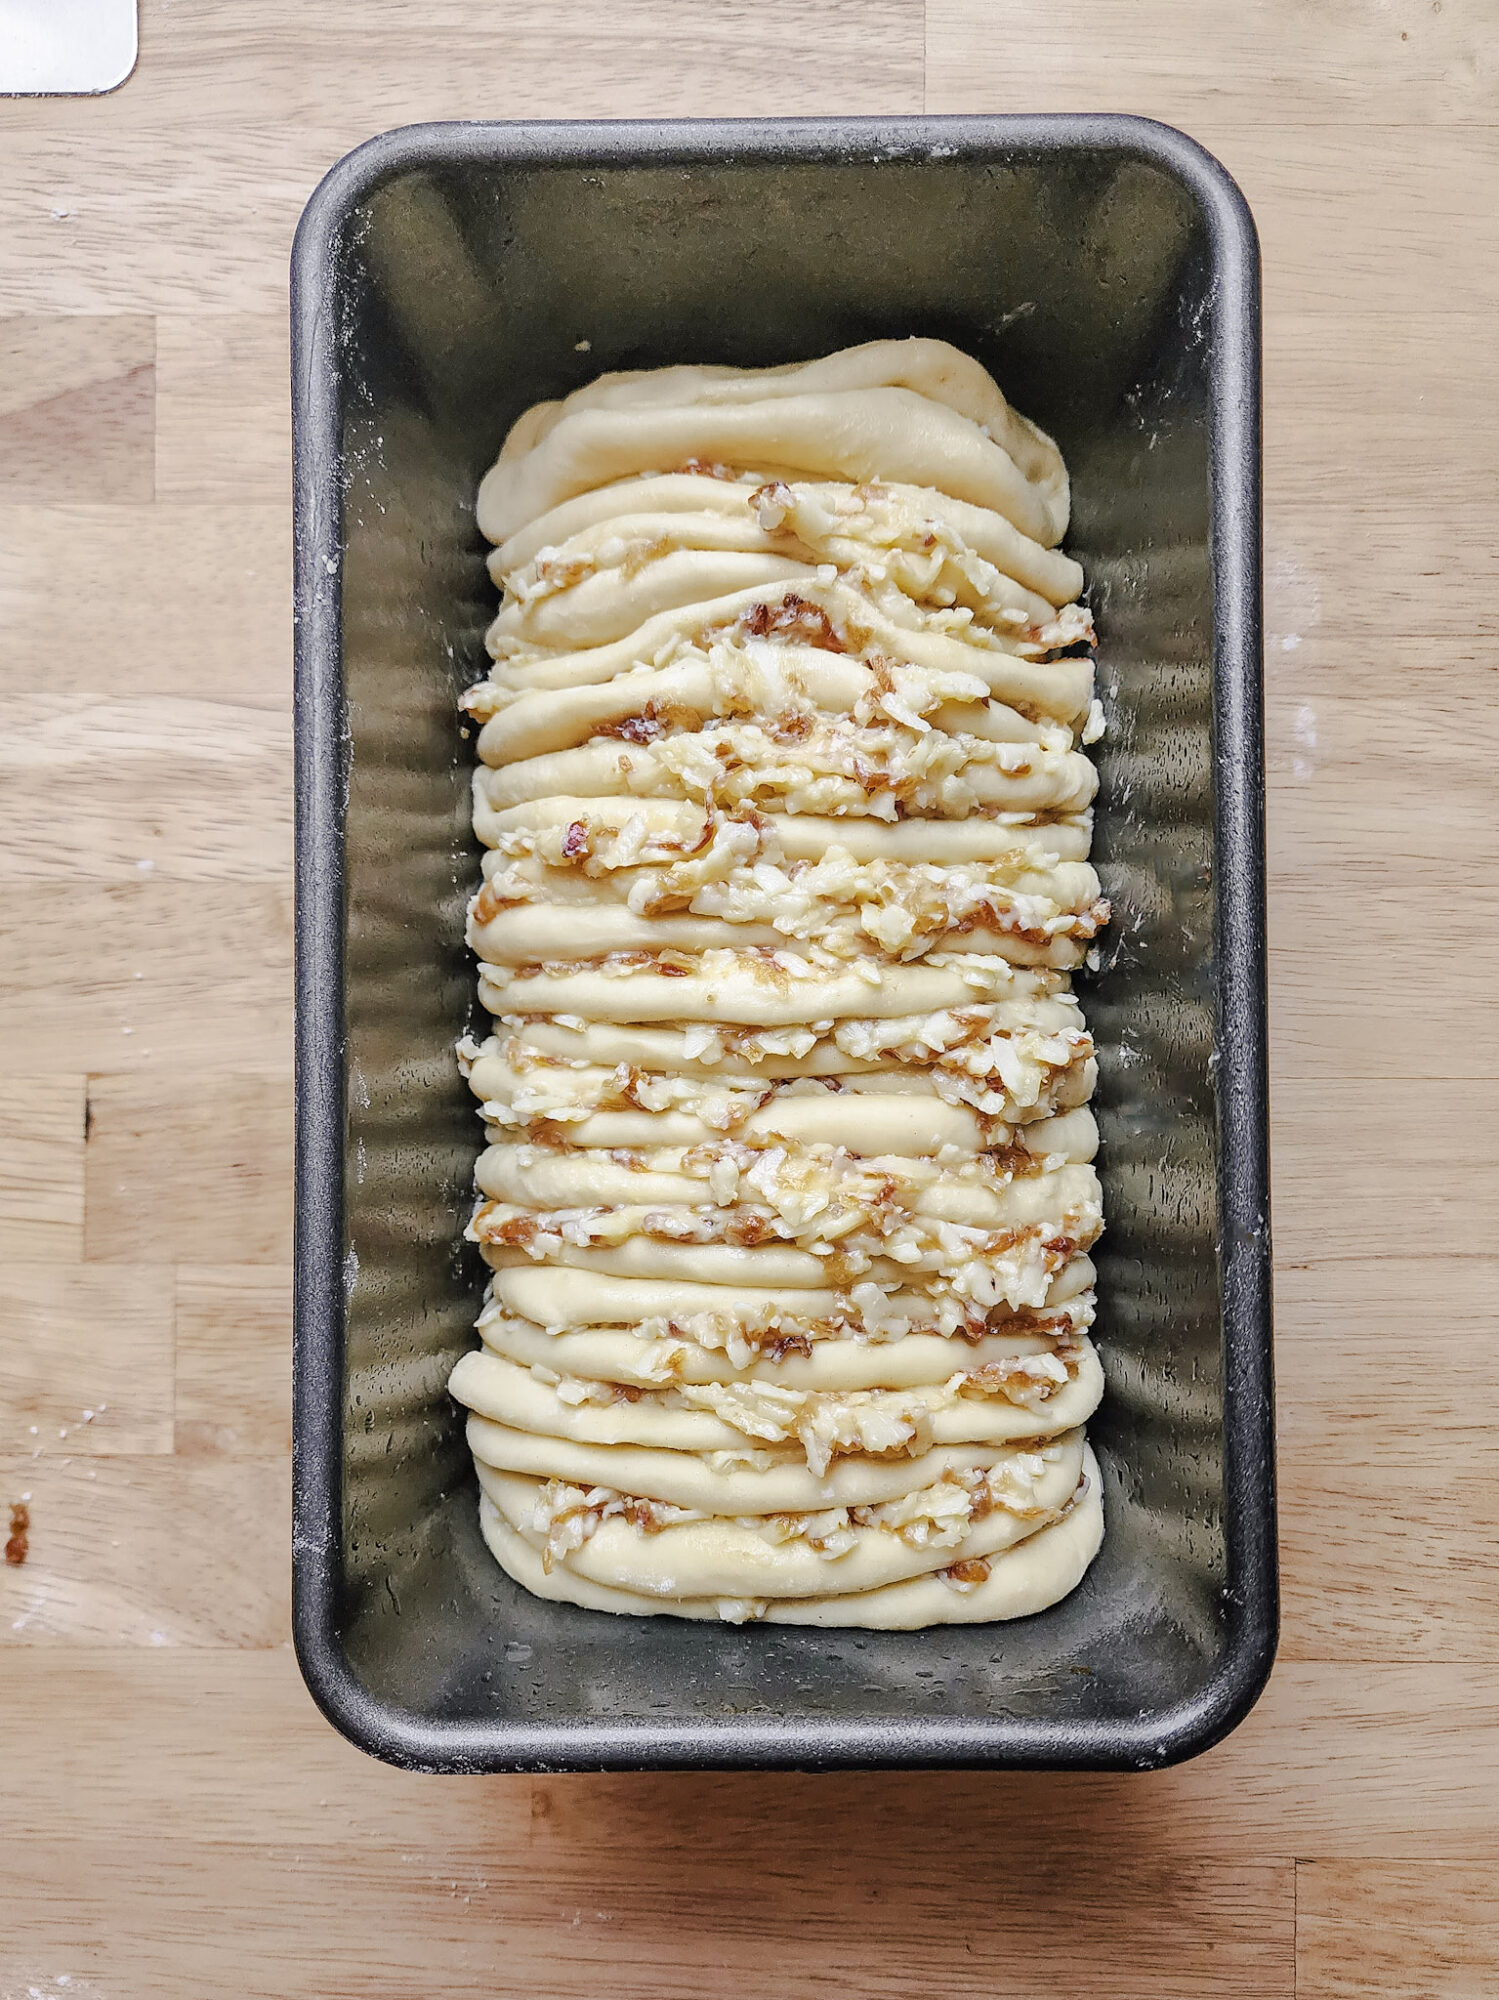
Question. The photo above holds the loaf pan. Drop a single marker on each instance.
(446, 276)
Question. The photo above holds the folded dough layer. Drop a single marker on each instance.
(861, 434)
(1028, 1578)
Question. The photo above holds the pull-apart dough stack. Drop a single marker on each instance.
(788, 1188)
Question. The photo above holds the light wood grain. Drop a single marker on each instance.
(202, 163)
(689, 1874)
(223, 408)
(1342, 413)
(87, 1362)
(77, 408)
(1353, 61)
(184, 1807)
(1397, 576)
(156, 976)
(41, 1168)
(1390, 1531)
(572, 1934)
(1363, 1030)
(1392, 1168)
(233, 1373)
(187, 1171)
(158, 1551)
(1408, 1930)
(198, 790)
(82, 591)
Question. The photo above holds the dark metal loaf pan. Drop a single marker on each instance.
(446, 276)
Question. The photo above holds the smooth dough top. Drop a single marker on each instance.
(917, 411)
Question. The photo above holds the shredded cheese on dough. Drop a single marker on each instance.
(785, 799)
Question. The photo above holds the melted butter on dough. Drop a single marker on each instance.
(788, 1190)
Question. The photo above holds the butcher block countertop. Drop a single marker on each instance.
(179, 1821)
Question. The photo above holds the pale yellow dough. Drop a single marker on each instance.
(788, 1190)
(1029, 1577)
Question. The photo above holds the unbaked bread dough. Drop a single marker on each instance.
(788, 1185)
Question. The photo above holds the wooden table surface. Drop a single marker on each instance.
(179, 1821)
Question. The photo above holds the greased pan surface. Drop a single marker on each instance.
(445, 277)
